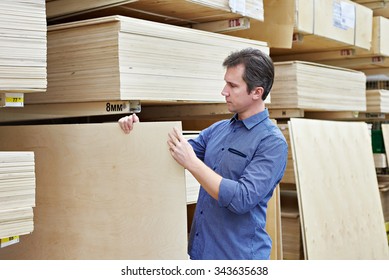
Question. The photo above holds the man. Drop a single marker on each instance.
(238, 163)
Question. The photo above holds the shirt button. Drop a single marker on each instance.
(201, 212)
(214, 168)
(222, 149)
(197, 234)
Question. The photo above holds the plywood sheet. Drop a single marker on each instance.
(337, 190)
(102, 194)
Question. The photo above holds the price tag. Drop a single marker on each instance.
(12, 99)
(4, 242)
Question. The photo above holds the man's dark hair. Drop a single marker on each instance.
(259, 68)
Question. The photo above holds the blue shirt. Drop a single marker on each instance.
(251, 157)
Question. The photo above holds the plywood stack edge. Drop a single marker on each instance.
(375, 57)
(17, 193)
(312, 86)
(170, 11)
(377, 101)
(124, 58)
(322, 25)
(23, 46)
(379, 7)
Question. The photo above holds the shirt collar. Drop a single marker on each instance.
(250, 122)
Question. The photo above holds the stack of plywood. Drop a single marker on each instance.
(325, 25)
(374, 57)
(169, 11)
(377, 101)
(304, 85)
(121, 58)
(102, 194)
(379, 7)
(337, 188)
(17, 193)
(22, 46)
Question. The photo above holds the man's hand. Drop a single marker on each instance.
(127, 123)
(180, 149)
(183, 153)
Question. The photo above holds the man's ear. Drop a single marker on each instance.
(257, 93)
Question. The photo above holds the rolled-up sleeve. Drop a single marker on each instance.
(259, 178)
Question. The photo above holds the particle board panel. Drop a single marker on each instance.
(122, 58)
(102, 194)
(337, 190)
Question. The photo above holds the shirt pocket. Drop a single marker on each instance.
(233, 163)
(236, 152)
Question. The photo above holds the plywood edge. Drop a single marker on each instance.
(313, 64)
(297, 179)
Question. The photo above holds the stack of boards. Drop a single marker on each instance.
(17, 193)
(23, 46)
(170, 11)
(122, 58)
(377, 100)
(312, 86)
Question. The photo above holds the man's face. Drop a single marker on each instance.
(235, 91)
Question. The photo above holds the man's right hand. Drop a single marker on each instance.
(127, 123)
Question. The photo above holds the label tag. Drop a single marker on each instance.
(12, 99)
(4, 242)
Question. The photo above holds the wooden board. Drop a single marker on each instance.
(102, 194)
(116, 58)
(169, 11)
(291, 229)
(337, 190)
(273, 225)
(288, 177)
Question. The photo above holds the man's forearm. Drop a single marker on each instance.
(207, 178)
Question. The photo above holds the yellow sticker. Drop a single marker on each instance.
(4, 242)
(14, 99)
